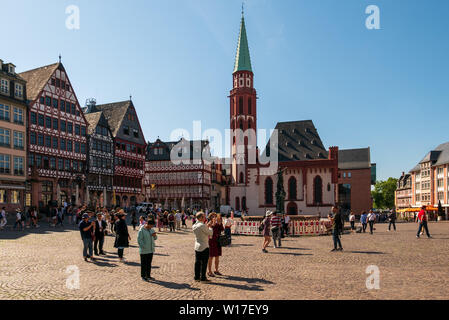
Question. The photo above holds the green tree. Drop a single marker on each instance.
(383, 194)
(280, 193)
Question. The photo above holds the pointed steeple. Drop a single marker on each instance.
(242, 59)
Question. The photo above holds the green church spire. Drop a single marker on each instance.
(242, 59)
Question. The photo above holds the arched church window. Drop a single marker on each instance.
(269, 191)
(318, 190)
(292, 188)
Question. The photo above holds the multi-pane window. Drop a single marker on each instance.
(77, 147)
(55, 103)
(32, 137)
(83, 131)
(4, 86)
(77, 129)
(73, 109)
(70, 127)
(48, 141)
(5, 138)
(62, 144)
(55, 143)
(126, 130)
(33, 117)
(52, 163)
(18, 140)
(18, 115)
(69, 146)
(5, 166)
(40, 139)
(41, 100)
(48, 101)
(441, 196)
(41, 120)
(18, 166)
(60, 164)
(15, 197)
(67, 164)
(55, 123)
(18, 90)
(83, 148)
(4, 112)
(440, 183)
(48, 122)
(62, 104)
(63, 125)
(3, 197)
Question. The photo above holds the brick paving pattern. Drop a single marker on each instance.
(33, 266)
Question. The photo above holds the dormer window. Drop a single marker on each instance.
(12, 69)
(126, 130)
(4, 86)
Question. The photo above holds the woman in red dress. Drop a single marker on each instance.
(214, 246)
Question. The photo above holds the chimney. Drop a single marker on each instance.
(333, 153)
(1, 64)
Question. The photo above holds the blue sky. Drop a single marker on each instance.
(387, 89)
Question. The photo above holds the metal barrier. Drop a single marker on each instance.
(297, 228)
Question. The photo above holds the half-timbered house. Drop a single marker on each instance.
(129, 151)
(56, 137)
(100, 155)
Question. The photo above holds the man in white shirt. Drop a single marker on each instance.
(371, 220)
(202, 233)
(18, 220)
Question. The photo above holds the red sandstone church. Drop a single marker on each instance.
(310, 173)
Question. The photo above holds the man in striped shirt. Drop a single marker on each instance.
(276, 224)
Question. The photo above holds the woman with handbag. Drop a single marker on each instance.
(266, 225)
(215, 250)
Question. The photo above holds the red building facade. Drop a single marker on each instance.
(56, 138)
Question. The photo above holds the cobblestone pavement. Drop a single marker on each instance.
(33, 266)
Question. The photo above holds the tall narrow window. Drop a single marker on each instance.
(292, 188)
(242, 179)
(241, 105)
(237, 203)
(250, 106)
(317, 190)
(269, 191)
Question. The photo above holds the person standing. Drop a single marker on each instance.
(266, 224)
(286, 225)
(134, 220)
(392, 218)
(202, 232)
(86, 230)
(183, 219)
(364, 221)
(146, 239)
(337, 226)
(59, 217)
(228, 227)
(276, 225)
(100, 231)
(422, 220)
(19, 221)
(178, 220)
(215, 250)
(122, 236)
(352, 220)
(171, 222)
(3, 220)
(371, 220)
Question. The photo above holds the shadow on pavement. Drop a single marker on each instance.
(291, 253)
(175, 286)
(247, 280)
(238, 286)
(367, 252)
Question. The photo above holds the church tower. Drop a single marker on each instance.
(243, 112)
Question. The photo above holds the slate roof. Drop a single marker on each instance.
(114, 113)
(92, 119)
(439, 156)
(297, 141)
(354, 159)
(168, 147)
(37, 78)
